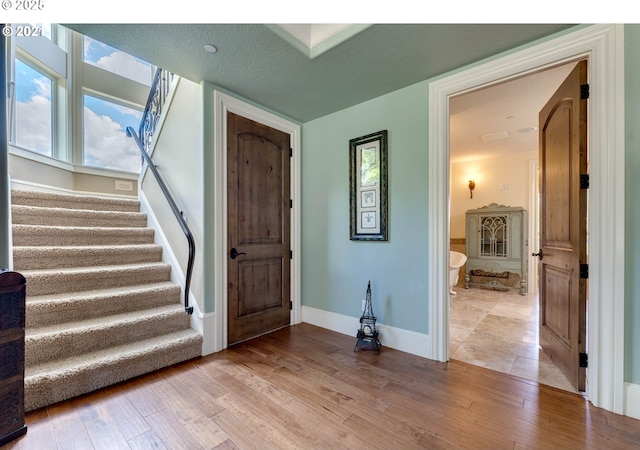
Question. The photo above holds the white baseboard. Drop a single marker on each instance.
(632, 400)
(397, 338)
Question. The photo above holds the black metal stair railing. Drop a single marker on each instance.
(150, 117)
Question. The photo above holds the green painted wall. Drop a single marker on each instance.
(632, 203)
(335, 270)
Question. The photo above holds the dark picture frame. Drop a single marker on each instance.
(368, 187)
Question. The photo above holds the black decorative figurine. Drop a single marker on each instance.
(367, 334)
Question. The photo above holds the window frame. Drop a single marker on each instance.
(13, 133)
(61, 57)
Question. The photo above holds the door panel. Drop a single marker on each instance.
(563, 158)
(258, 222)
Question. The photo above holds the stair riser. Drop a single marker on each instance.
(52, 283)
(40, 313)
(52, 388)
(63, 257)
(57, 218)
(100, 304)
(45, 200)
(43, 348)
(23, 235)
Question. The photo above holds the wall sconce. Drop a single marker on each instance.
(472, 186)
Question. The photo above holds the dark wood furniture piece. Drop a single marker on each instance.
(12, 310)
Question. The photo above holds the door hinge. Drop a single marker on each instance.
(584, 270)
(584, 91)
(290, 152)
(290, 203)
(290, 305)
(583, 360)
(290, 254)
(584, 181)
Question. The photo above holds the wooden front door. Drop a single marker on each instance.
(258, 204)
(563, 225)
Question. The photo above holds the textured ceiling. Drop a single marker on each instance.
(256, 63)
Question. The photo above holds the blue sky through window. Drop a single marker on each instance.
(105, 142)
(33, 123)
(113, 60)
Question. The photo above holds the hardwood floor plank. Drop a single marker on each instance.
(101, 428)
(379, 436)
(264, 409)
(304, 387)
(123, 413)
(332, 410)
(259, 424)
(189, 398)
(241, 433)
(148, 440)
(171, 431)
(143, 396)
(72, 437)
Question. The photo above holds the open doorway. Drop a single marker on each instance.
(494, 150)
(602, 45)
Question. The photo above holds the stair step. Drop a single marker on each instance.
(44, 310)
(42, 257)
(58, 341)
(101, 307)
(35, 235)
(38, 215)
(73, 201)
(52, 382)
(45, 281)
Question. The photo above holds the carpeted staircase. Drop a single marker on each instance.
(100, 304)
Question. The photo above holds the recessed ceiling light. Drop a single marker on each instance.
(210, 48)
(494, 136)
(527, 129)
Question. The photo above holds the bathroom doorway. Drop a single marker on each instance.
(494, 143)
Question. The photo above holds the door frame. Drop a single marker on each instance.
(224, 103)
(603, 47)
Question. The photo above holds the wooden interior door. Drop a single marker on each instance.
(258, 204)
(563, 225)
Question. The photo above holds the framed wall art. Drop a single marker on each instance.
(368, 187)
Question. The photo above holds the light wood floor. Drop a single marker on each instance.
(304, 387)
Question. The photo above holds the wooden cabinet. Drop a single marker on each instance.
(12, 310)
(497, 247)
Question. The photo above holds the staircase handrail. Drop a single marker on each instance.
(153, 109)
(150, 117)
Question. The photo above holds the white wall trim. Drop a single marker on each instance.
(604, 47)
(392, 337)
(200, 322)
(224, 103)
(28, 185)
(632, 400)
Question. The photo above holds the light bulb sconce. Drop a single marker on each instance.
(472, 186)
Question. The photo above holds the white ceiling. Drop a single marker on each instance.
(505, 115)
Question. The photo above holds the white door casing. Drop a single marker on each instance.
(603, 47)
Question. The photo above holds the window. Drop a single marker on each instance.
(108, 58)
(106, 144)
(106, 94)
(33, 109)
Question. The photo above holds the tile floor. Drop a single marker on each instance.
(499, 330)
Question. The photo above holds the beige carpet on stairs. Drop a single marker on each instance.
(100, 305)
